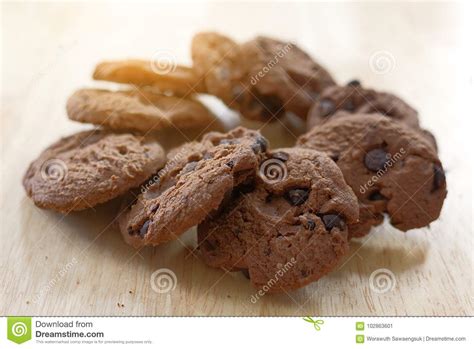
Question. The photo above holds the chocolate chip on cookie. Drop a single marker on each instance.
(439, 177)
(376, 159)
(262, 78)
(89, 168)
(353, 83)
(297, 197)
(194, 182)
(280, 155)
(391, 167)
(332, 220)
(353, 98)
(326, 107)
(286, 232)
(137, 110)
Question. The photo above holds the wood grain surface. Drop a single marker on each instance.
(79, 265)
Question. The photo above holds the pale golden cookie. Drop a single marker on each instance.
(137, 110)
(177, 79)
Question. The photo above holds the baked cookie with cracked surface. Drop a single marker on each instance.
(138, 110)
(288, 227)
(354, 99)
(214, 57)
(196, 179)
(89, 168)
(392, 169)
(282, 76)
(262, 78)
(166, 77)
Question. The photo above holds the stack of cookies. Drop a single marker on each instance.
(282, 216)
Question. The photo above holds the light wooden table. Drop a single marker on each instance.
(78, 265)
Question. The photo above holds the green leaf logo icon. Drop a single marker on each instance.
(19, 329)
(316, 323)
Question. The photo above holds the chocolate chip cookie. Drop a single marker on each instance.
(262, 78)
(138, 110)
(288, 227)
(89, 168)
(196, 179)
(391, 168)
(353, 98)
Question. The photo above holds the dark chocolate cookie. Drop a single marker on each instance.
(262, 78)
(194, 182)
(391, 168)
(288, 227)
(90, 167)
(353, 98)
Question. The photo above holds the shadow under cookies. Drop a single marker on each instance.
(391, 250)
